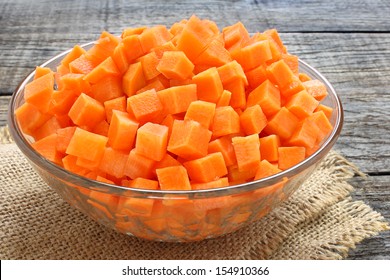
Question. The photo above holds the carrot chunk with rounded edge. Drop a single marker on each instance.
(139, 166)
(81, 65)
(132, 48)
(142, 183)
(206, 169)
(118, 103)
(113, 162)
(253, 55)
(226, 121)
(225, 147)
(290, 156)
(122, 131)
(177, 99)
(86, 145)
(285, 117)
(256, 76)
(247, 151)
(267, 96)
(302, 104)
(230, 72)
(326, 109)
(305, 134)
(209, 85)
(76, 52)
(173, 178)
(133, 79)
(30, 118)
(151, 141)
(107, 88)
(253, 120)
(269, 147)
(266, 169)
(145, 106)
(219, 183)
(202, 112)
(87, 111)
(316, 88)
(189, 139)
(238, 97)
(273, 33)
(63, 138)
(225, 98)
(175, 65)
(39, 92)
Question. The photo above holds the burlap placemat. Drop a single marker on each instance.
(320, 221)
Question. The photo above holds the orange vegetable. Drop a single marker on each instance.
(173, 178)
(247, 151)
(175, 65)
(269, 147)
(145, 106)
(113, 162)
(63, 138)
(253, 120)
(151, 141)
(47, 148)
(39, 92)
(285, 117)
(30, 118)
(76, 52)
(118, 104)
(267, 96)
(226, 121)
(81, 65)
(290, 156)
(139, 166)
(141, 183)
(206, 169)
(202, 112)
(316, 89)
(266, 169)
(177, 99)
(225, 147)
(209, 85)
(302, 104)
(133, 79)
(86, 111)
(122, 131)
(108, 88)
(225, 98)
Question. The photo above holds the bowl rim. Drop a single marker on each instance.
(79, 180)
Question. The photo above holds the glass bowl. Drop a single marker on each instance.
(175, 216)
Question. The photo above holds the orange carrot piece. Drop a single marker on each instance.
(175, 65)
(305, 135)
(132, 48)
(215, 53)
(133, 79)
(105, 68)
(86, 111)
(209, 85)
(118, 103)
(145, 106)
(61, 71)
(269, 147)
(324, 125)
(132, 31)
(168, 122)
(76, 83)
(219, 183)
(101, 128)
(177, 99)
(139, 166)
(316, 88)
(294, 87)
(107, 88)
(69, 163)
(206, 169)
(122, 131)
(166, 161)
(231, 72)
(113, 162)
(236, 176)
(225, 98)
(225, 147)
(42, 71)
(267, 96)
(142, 183)
(90, 165)
(226, 121)
(149, 63)
(151, 141)
(247, 151)
(87, 145)
(256, 76)
(251, 56)
(63, 138)
(175, 82)
(48, 128)
(173, 178)
(155, 83)
(273, 33)
(292, 62)
(81, 65)
(266, 169)
(304, 77)
(39, 92)
(202, 112)
(326, 109)
(290, 156)
(253, 120)
(280, 74)
(47, 148)
(283, 124)
(234, 35)
(75, 53)
(62, 101)
(302, 104)
(120, 58)
(189, 139)
(153, 37)
(166, 47)
(238, 97)
(30, 118)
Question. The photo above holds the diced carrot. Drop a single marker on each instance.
(267, 96)
(280, 74)
(292, 62)
(226, 121)
(132, 48)
(225, 98)
(305, 134)
(294, 87)
(215, 53)
(206, 169)
(189, 139)
(39, 92)
(106, 200)
(42, 71)
(133, 206)
(251, 56)
(166, 47)
(302, 104)
(253, 120)
(155, 83)
(30, 118)
(269, 147)
(91, 165)
(48, 128)
(139, 166)
(238, 97)
(177, 99)
(316, 88)
(63, 138)
(103, 48)
(175, 82)
(168, 122)
(285, 117)
(247, 151)
(225, 147)
(104, 69)
(76, 83)
(219, 183)
(149, 63)
(145, 106)
(175, 65)
(122, 131)
(69, 163)
(81, 65)
(141, 183)
(166, 161)
(119, 103)
(132, 31)
(113, 162)
(202, 112)
(120, 58)
(87, 111)
(108, 88)
(62, 101)
(290, 156)
(133, 79)
(230, 72)
(273, 33)
(61, 71)
(235, 34)
(322, 122)
(76, 52)
(173, 178)
(236, 176)
(209, 85)
(326, 109)
(47, 148)
(101, 128)
(151, 141)
(153, 37)
(256, 76)
(304, 77)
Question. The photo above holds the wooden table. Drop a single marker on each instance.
(348, 41)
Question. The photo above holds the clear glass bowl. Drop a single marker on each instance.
(174, 216)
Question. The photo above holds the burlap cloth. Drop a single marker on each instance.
(320, 221)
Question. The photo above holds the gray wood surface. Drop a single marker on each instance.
(347, 41)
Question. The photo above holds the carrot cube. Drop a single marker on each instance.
(86, 111)
(138, 166)
(63, 138)
(30, 118)
(323, 123)
(230, 72)
(39, 92)
(267, 96)
(202, 112)
(173, 178)
(209, 85)
(283, 124)
(266, 169)
(107, 88)
(47, 148)
(253, 120)
(253, 55)
(151, 141)
(153, 37)
(145, 106)
(133, 79)
(142, 183)
(305, 134)
(269, 147)
(175, 65)
(177, 99)
(215, 53)
(76, 52)
(113, 162)
(81, 65)
(256, 76)
(302, 104)
(226, 121)
(225, 98)
(122, 131)
(225, 147)
(247, 151)
(326, 109)
(238, 97)
(280, 74)
(105, 68)
(206, 169)
(290, 156)
(316, 88)
(118, 104)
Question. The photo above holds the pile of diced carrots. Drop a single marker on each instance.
(179, 108)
